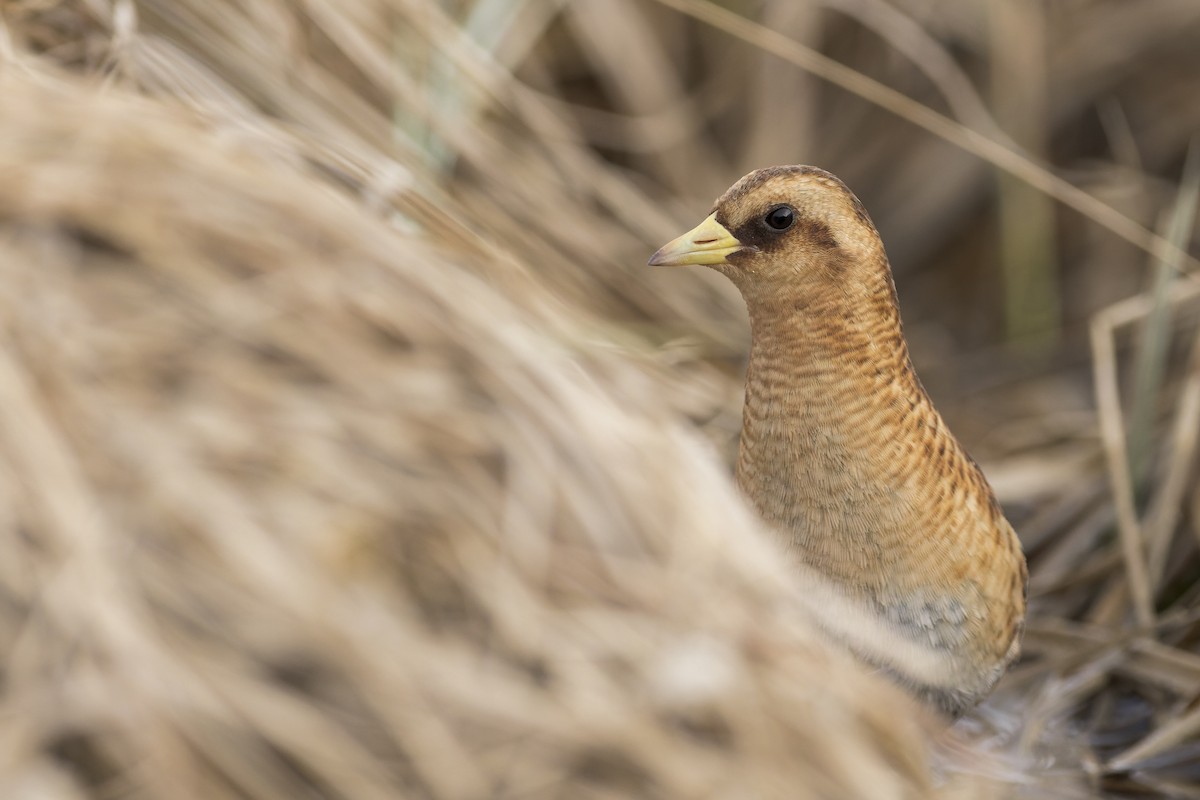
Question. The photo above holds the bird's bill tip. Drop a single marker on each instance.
(708, 243)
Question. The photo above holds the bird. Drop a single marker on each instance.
(894, 526)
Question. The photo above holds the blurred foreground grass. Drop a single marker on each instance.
(350, 451)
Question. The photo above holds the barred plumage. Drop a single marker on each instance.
(842, 450)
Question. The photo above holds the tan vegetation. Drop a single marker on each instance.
(348, 449)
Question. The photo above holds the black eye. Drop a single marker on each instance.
(780, 218)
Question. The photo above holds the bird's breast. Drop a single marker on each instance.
(820, 460)
(850, 462)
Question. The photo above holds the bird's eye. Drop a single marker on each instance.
(780, 218)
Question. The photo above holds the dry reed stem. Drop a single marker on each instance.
(333, 95)
(907, 36)
(1162, 517)
(1020, 94)
(1112, 431)
(1151, 360)
(976, 142)
(1168, 735)
(1108, 402)
(324, 514)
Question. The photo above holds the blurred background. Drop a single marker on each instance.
(299, 291)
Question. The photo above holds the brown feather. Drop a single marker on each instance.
(842, 450)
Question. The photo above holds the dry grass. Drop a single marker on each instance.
(349, 451)
(298, 506)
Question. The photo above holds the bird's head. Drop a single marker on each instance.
(784, 230)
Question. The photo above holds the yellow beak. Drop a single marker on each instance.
(707, 243)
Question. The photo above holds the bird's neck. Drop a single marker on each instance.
(830, 392)
(816, 345)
